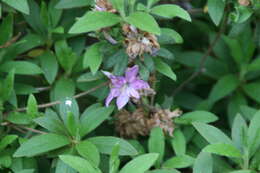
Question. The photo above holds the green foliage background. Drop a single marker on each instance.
(52, 89)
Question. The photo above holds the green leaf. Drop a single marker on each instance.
(171, 11)
(64, 88)
(32, 109)
(0, 10)
(178, 142)
(21, 67)
(54, 13)
(144, 22)
(151, 2)
(27, 171)
(19, 118)
(62, 167)
(49, 66)
(5, 141)
(247, 111)
(254, 65)
(203, 163)
(254, 133)
(72, 3)
(8, 86)
(239, 131)
(165, 53)
(41, 144)
(66, 57)
(35, 20)
(140, 164)
(69, 111)
(242, 171)
(105, 145)
(236, 49)
(182, 161)
(114, 161)
(5, 160)
(44, 14)
(163, 171)
(253, 90)
(89, 151)
(197, 116)
(216, 10)
(93, 57)
(169, 36)
(72, 125)
(92, 119)
(21, 5)
(156, 144)
(79, 164)
(223, 150)
(119, 5)
(93, 21)
(51, 122)
(212, 134)
(6, 29)
(224, 86)
(164, 68)
(89, 77)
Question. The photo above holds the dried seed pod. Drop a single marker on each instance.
(139, 42)
(244, 2)
(140, 123)
(132, 125)
(164, 120)
(104, 5)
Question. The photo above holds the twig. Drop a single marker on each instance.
(109, 38)
(45, 105)
(203, 59)
(17, 128)
(22, 128)
(10, 42)
(33, 130)
(40, 89)
(195, 10)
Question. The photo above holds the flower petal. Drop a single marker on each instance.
(113, 93)
(139, 84)
(131, 73)
(108, 74)
(133, 93)
(118, 81)
(122, 100)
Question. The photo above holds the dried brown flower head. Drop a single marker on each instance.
(164, 120)
(140, 123)
(139, 42)
(104, 5)
(244, 2)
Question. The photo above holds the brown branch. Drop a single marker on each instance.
(33, 130)
(109, 38)
(45, 105)
(17, 128)
(10, 42)
(203, 59)
(22, 128)
(40, 89)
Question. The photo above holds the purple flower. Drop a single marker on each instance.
(125, 87)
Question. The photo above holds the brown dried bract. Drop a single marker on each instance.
(104, 5)
(244, 2)
(140, 123)
(139, 42)
(164, 120)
